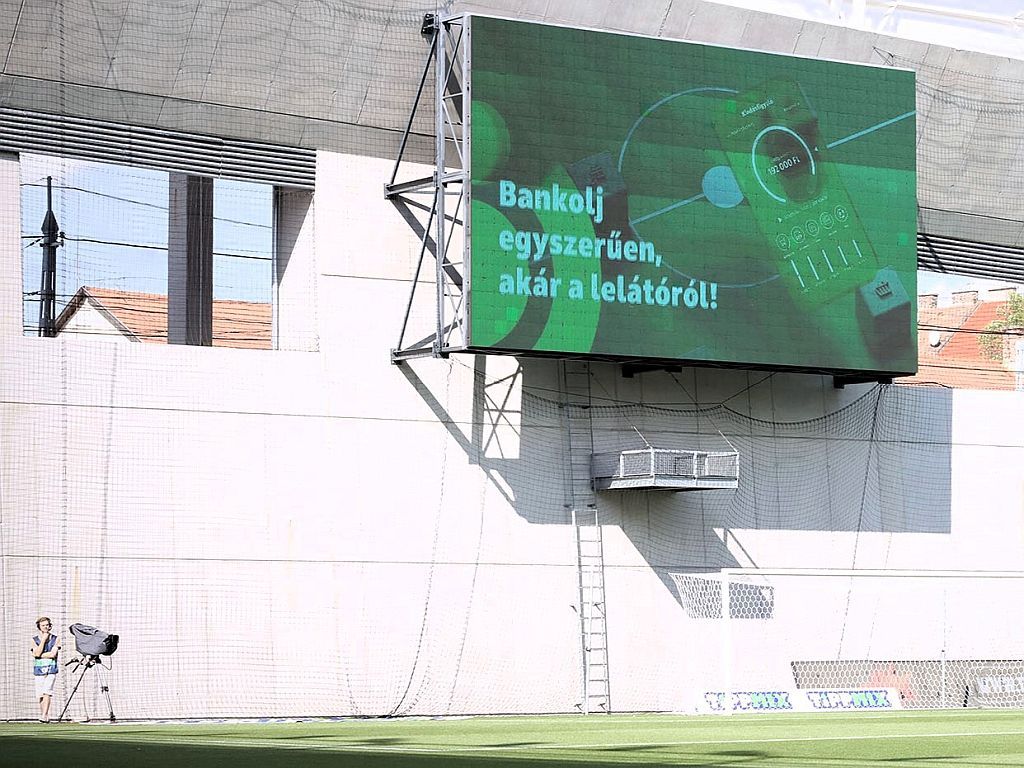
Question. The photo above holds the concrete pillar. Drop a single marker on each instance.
(295, 279)
(11, 280)
(190, 260)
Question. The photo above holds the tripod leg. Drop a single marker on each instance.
(85, 668)
(106, 694)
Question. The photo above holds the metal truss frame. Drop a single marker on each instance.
(445, 233)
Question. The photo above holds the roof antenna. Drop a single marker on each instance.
(48, 287)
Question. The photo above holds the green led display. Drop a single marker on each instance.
(649, 199)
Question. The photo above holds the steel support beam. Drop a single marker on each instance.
(445, 233)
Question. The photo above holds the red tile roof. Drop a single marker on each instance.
(958, 361)
(143, 317)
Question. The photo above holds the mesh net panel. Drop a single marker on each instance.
(241, 608)
(302, 549)
(941, 641)
(306, 74)
(210, 535)
(789, 468)
(973, 159)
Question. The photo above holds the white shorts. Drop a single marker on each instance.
(44, 685)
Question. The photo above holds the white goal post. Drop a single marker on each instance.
(939, 639)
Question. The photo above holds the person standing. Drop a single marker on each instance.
(45, 648)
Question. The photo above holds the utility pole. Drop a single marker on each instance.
(48, 287)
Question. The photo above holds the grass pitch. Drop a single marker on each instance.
(872, 740)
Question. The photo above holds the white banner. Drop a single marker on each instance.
(808, 700)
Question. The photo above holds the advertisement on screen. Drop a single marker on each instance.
(645, 199)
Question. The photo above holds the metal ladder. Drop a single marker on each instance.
(582, 502)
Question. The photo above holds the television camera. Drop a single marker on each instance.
(91, 644)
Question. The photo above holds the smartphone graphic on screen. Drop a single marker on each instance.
(770, 135)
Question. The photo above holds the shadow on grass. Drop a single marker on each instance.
(40, 752)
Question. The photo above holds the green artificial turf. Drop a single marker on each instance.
(951, 738)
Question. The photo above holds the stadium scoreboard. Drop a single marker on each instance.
(639, 198)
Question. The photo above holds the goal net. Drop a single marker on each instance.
(939, 639)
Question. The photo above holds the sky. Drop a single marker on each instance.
(118, 204)
(989, 26)
(125, 209)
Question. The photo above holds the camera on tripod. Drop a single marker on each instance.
(91, 644)
(89, 641)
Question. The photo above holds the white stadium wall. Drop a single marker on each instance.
(289, 533)
(314, 531)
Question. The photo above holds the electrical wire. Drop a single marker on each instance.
(141, 203)
(154, 247)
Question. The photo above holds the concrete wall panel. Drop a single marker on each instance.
(309, 74)
(415, 515)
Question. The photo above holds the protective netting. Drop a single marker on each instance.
(253, 567)
(322, 535)
(881, 463)
(337, 76)
(970, 145)
(940, 640)
(246, 570)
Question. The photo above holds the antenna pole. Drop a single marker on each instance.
(48, 283)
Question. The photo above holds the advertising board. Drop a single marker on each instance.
(639, 198)
(796, 700)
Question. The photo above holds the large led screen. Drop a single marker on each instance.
(642, 198)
